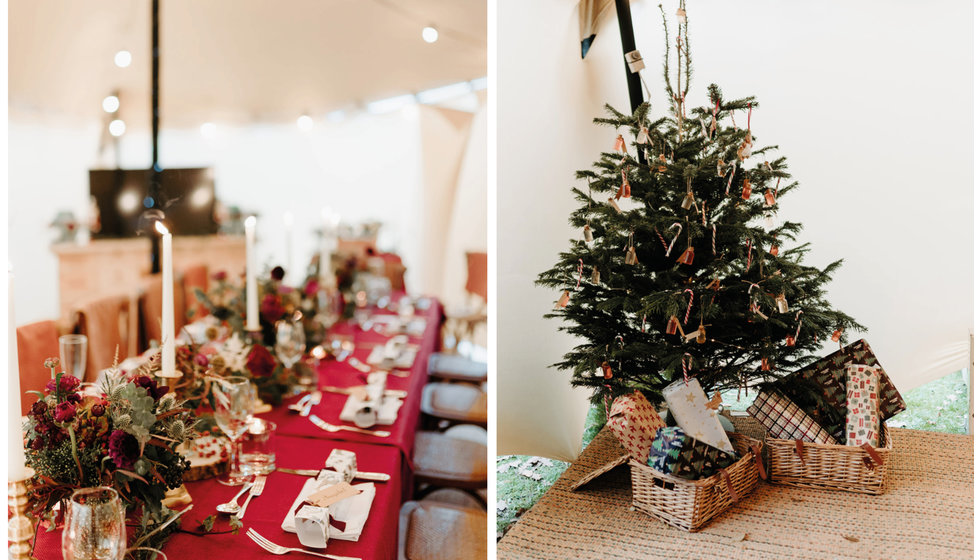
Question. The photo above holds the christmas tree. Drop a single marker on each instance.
(682, 268)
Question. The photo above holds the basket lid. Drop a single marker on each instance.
(605, 454)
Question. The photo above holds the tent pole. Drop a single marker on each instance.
(969, 416)
(625, 18)
(154, 187)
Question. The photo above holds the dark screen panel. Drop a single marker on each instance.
(187, 196)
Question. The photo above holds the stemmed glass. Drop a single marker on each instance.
(232, 408)
(95, 525)
(73, 349)
(290, 346)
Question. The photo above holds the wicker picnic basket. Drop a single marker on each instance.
(831, 467)
(689, 504)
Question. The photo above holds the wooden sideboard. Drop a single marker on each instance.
(119, 266)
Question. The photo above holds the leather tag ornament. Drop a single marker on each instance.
(758, 461)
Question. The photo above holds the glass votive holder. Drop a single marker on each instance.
(258, 451)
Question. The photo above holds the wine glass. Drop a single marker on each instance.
(74, 350)
(290, 346)
(95, 525)
(232, 407)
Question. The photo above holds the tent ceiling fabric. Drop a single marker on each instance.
(236, 60)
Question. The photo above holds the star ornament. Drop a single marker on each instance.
(690, 397)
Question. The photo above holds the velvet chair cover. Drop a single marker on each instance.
(108, 323)
(36, 342)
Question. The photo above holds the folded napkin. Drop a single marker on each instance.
(353, 511)
(387, 410)
(403, 359)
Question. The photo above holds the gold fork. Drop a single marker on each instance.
(332, 428)
(274, 548)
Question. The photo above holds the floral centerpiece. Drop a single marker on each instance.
(125, 438)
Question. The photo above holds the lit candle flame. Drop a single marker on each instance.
(162, 228)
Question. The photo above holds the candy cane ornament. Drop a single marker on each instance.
(714, 231)
(690, 303)
(661, 238)
(676, 235)
(685, 365)
(581, 267)
(791, 340)
(749, 263)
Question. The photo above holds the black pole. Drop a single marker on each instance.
(154, 187)
(629, 45)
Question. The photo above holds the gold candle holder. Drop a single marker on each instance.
(19, 529)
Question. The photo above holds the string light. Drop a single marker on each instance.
(430, 34)
(305, 123)
(117, 127)
(123, 59)
(208, 130)
(110, 104)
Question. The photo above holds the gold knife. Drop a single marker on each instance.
(379, 477)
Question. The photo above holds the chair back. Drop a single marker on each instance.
(476, 274)
(109, 323)
(394, 271)
(36, 342)
(151, 310)
(195, 277)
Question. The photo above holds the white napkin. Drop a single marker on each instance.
(387, 412)
(353, 511)
(403, 359)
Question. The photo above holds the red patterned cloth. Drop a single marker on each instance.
(785, 420)
(635, 422)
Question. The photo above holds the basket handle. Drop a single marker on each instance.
(758, 460)
(728, 485)
(875, 458)
(799, 451)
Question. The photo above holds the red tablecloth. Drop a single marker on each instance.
(302, 445)
(379, 538)
(337, 374)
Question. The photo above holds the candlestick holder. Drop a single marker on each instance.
(19, 529)
(169, 380)
(253, 336)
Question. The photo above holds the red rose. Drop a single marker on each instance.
(271, 308)
(260, 361)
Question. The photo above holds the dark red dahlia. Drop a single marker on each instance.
(271, 308)
(64, 412)
(150, 385)
(278, 273)
(124, 449)
(219, 276)
(39, 408)
(260, 361)
(67, 384)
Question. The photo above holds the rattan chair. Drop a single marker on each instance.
(445, 461)
(454, 367)
(434, 530)
(455, 403)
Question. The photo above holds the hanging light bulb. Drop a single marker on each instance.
(123, 59)
(430, 34)
(110, 104)
(117, 128)
(305, 123)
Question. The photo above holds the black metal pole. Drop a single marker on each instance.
(629, 45)
(154, 187)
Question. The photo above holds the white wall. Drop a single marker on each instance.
(468, 225)
(872, 105)
(366, 167)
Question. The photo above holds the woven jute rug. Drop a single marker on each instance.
(925, 512)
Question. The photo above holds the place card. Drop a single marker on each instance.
(331, 495)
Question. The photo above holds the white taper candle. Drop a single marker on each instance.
(168, 354)
(251, 286)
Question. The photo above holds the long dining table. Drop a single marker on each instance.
(302, 445)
